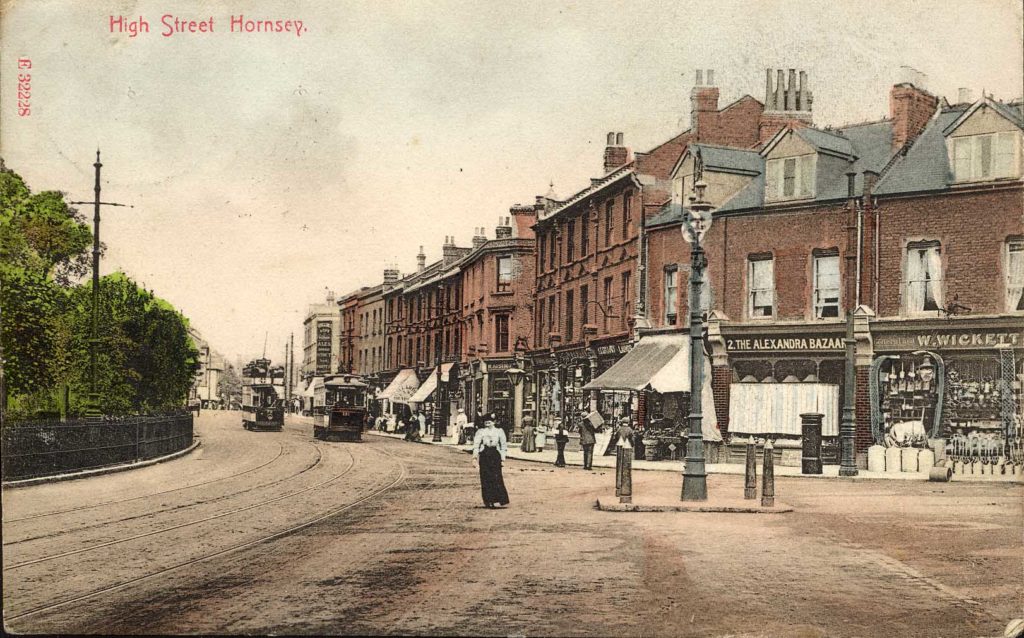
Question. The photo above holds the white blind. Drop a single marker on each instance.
(775, 408)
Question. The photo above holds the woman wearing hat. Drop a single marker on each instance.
(489, 449)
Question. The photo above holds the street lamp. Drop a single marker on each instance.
(848, 425)
(437, 406)
(695, 224)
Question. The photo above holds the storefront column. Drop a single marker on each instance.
(594, 394)
(864, 353)
(721, 373)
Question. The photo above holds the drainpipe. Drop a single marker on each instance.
(878, 230)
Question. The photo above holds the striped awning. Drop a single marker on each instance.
(403, 386)
(657, 362)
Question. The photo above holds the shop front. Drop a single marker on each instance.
(652, 377)
(777, 374)
(435, 396)
(953, 385)
(394, 399)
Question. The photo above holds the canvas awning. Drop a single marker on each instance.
(401, 387)
(426, 390)
(657, 362)
(775, 408)
(309, 392)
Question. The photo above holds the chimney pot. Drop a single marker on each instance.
(711, 77)
(611, 139)
(964, 94)
(619, 139)
(700, 78)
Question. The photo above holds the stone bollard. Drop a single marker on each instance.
(810, 426)
(625, 458)
(768, 476)
(618, 470)
(750, 482)
(626, 490)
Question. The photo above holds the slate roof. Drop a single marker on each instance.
(925, 167)
(826, 141)
(730, 160)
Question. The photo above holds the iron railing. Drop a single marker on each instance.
(32, 449)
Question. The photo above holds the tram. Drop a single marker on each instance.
(344, 409)
(262, 396)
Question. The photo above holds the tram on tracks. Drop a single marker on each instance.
(344, 411)
(262, 396)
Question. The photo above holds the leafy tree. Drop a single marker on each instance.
(145, 357)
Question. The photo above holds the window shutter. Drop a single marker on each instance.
(771, 181)
(807, 165)
(962, 159)
(1005, 164)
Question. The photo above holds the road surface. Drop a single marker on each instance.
(279, 533)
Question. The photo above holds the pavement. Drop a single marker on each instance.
(828, 471)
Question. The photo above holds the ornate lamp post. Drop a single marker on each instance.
(517, 375)
(695, 224)
(848, 426)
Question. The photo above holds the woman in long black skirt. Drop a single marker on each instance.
(489, 449)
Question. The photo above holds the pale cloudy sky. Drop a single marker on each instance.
(266, 167)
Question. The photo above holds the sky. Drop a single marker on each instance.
(267, 168)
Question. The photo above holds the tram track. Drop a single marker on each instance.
(171, 528)
(162, 510)
(280, 453)
(402, 475)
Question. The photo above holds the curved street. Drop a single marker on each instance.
(279, 533)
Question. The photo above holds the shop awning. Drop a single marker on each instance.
(657, 362)
(426, 390)
(402, 387)
(309, 392)
(775, 408)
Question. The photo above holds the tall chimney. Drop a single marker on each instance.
(391, 276)
(801, 104)
(525, 217)
(421, 261)
(703, 104)
(479, 238)
(503, 230)
(449, 252)
(780, 91)
(910, 109)
(615, 154)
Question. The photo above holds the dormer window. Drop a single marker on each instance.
(977, 158)
(789, 178)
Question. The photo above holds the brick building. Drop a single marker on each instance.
(592, 271)
(914, 221)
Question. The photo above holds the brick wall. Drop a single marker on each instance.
(972, 228)
(910, 108)
(721, 378)
(862, 403)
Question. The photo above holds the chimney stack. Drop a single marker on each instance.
(794, 96)
(504, 229)
(421, 261)
(964, 95)
(615, 154)
(479, 238)
(449, 252)
(391, 276)
(703, 103)
(525, 217)
(910, 109)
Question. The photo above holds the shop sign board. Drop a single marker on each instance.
(948, 339)
(791, 343)
(323, 347)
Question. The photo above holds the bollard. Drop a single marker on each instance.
(750, 482)
(626, 487)
(618, 471)
(768, 476)
(810, 426)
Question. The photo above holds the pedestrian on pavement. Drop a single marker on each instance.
(422, 420)
(489, 449)
(529, 442)
(540, 437)
(561, 438)
(460, 427)
(587, 441)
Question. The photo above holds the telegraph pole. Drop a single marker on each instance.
(93, 410)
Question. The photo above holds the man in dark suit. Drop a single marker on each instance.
(587, 441)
